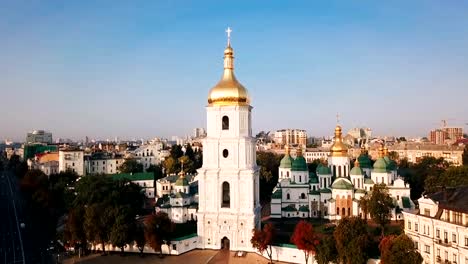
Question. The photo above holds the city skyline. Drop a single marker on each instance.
(138, 71)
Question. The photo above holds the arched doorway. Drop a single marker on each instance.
(225, 243)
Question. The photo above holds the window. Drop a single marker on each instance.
(466, 241)
(300, 178)
(303, 196)
(416, 245)
(174, 247)
(438, 252)
(287, 174)
(225, 123)
(454, 238)
(409, 225)
(454, 257)
(225, 153)
(416, 227)
(427, 212)
(288, 196)
(437, 233)
(343, 211)
(457, 217)
(338, 211)
(427, 249)
(226, 196)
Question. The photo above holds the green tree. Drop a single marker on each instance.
(268, 163)
(352, 240)
(326, 250)
(170, 165)
(131, 166)
(156, 170)
(176, 152)
(394, 249)
(187, 164)
(380, 206)
(139, 237)
(123, 227)
(452, 177)
(418, 172)
(98, 221)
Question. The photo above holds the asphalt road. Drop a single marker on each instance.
(11, 241)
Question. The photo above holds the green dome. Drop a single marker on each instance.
(299, 164)
(391, 164)
(342, 183)
(182, 181)
(356, 170)
(286, 162)
(380, 165)
(323, 170)
(364, 161)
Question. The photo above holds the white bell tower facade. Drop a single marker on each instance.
(228, 182)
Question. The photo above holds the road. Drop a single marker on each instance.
(11, 244)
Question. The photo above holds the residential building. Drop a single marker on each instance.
(72, 159)
(414, 152)
(312, 154)
(439, 228)
(453, 133)
(291, 137)
(199, 132)
(103, 163)
(39, 136)
(333, 190)
(149, 154)
(144, 179)
(438, 136)
(46, 162)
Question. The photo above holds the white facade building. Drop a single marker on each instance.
(439, 228)
(229, 202)
(149, 154)
(103, 163)
(39, 136)
(72, 159)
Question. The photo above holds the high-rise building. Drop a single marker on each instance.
(229, 202)
(199, 132)
(437, 136)
(39, 136)
(453, 133)
(291, 137)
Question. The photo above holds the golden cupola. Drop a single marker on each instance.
(228, 91)
(338, 149)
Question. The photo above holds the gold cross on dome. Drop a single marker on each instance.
(228, 31)
(337, 118)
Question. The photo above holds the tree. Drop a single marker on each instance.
(380, 205)
(158, 229)
(263, 240)
(140, 237)
(364, 205)
(326, 250)
(452, 177)
(393, 155)
(156, 170)
(305, 238)
(394, 249)
(170, 165)
(418, 172)
(75, 235)
(269, 163)
(176, 152)
(131, 166)
(123, 227)
(98, 221)
(352, 240)
(187, 164)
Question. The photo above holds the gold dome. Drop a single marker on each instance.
(338, 149)
(228, 91)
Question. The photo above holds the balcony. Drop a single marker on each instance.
(443, 242)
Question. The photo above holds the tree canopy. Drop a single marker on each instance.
(131, 166)
(394, 249)
(158, 229)
(326, 250)
(269, 163)
(305, 238)
(263, 240)
(352, 240)
(452, 177)
(380, 205)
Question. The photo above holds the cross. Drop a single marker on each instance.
(228, 31)
(337, 118)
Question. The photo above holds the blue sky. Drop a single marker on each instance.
(139, 69)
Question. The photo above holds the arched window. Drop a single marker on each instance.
(303, 196)
(226, 196)
(225, 123)
(287, 174)
(338, 211)
(343, 211)
(300, 178)
(288, 196)
(349, 211)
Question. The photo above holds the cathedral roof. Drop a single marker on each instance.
(286, 161)
(368, 181)
(299, 163)
(323, 170)
(228, 91)
(277, 194)
(182, 180)
(365, 161)
(289, 209)
(303, 209)
(356, 170)
(343, 184)
(380, 165)
(338, 149)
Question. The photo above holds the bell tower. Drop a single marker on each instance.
(228, 186)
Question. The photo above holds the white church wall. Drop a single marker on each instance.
(288, 253)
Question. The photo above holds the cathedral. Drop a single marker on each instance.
(229, 202)
(333, 190)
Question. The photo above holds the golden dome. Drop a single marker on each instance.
(228, 91)
(338, 149)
